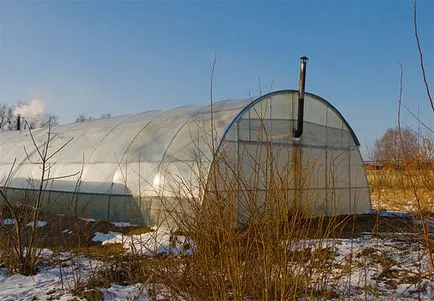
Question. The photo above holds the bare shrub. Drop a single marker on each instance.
(22, 229)
(253, 232)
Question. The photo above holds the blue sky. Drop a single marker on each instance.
(124, 57)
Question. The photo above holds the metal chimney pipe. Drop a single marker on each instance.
(300, 116)
(18, 122)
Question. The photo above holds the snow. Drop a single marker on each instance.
(46, 284)
(383, 266)
(429, 222)
(119, 292)
(371, 256)
(87, 219)
(55, 281)
(55, 284)
(39, 224)
(122, 224)
(9, 221)
(158, 241)
(103, 237)
(384, 213)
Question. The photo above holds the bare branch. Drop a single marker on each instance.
(59, 149)
(259, 85)
(417, 118)
(28, 156)
(271, 86)
(419, 48)
(62, 177)
(212, 102)
(34, 142)
(400, 98)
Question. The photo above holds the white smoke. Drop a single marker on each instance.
(30, 110)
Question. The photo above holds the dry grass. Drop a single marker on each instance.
(409, 190)
(66, 233)
(395, 189)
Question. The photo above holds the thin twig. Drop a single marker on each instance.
(212, 102)
(417, 119)
(62, 177)
(259, 85)
(59, 149)
(419, 48)
(34, 141)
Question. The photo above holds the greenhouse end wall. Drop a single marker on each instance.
(322, 173)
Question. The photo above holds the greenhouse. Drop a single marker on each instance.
(135, 168)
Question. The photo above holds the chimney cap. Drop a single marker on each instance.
(304, 59)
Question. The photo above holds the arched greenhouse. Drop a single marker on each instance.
(129, 168)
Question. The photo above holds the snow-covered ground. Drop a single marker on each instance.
(56, 281)
(47, 285)
(158, 241)
(387, 266)
(382, 267)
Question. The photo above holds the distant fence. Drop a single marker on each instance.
(398, 165)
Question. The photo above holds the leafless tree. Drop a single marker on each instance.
(48, 120)
(83, 118)
(3, 115)
(388, 147)
(7, 117)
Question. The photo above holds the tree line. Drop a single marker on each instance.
(9, 119)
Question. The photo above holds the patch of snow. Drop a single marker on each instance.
(67, 231)
(119, 292)
(46, 253)
(159, 241)
(103, 237)
(122, 224)
(87, 219)
(39, 224)
(56, 282)
(384, 213)
(42, 286)
(428, 221)
(9, 221)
